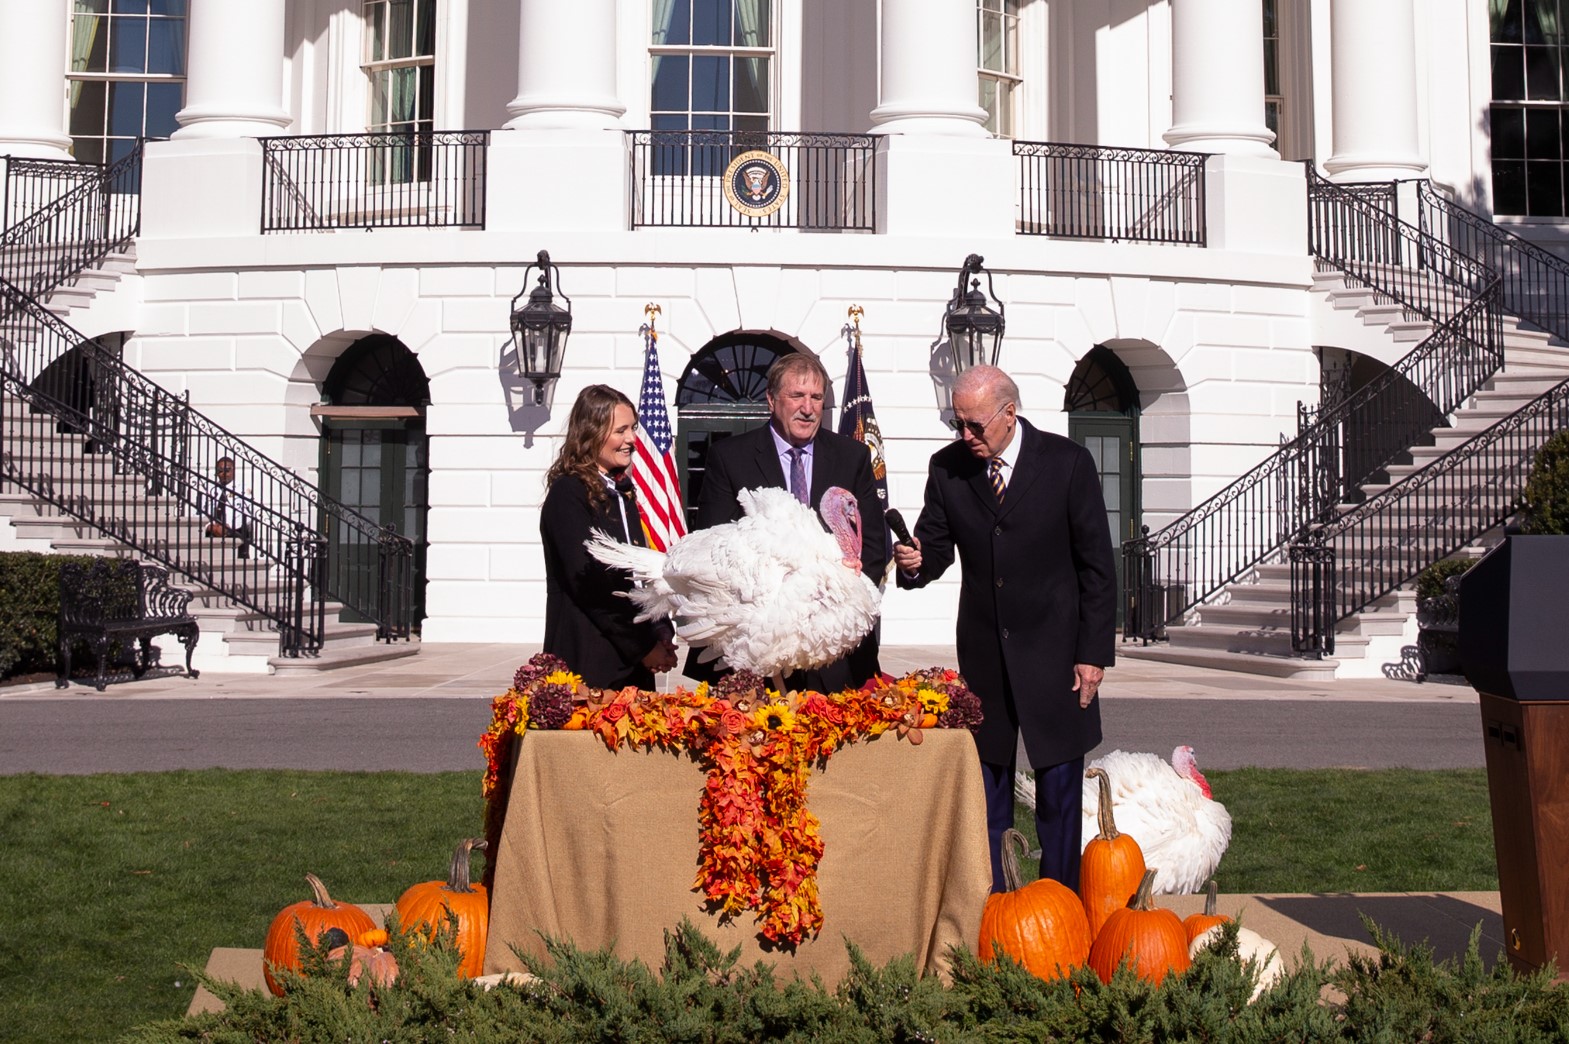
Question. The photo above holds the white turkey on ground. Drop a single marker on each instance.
(770, 592)
(1166, 807)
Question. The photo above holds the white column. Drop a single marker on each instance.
(1373, 75)
(33, 52)
(566, 66)
(1217, 78)
(928, 58)
(234, 70)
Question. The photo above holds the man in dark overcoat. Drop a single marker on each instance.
(1024, 512)
(762, 457)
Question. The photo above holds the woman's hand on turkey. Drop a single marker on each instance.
(908, 555)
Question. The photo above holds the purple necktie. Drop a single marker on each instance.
(798, 476)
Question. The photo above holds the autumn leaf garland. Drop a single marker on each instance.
(759, 844)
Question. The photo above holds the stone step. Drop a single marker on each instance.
(332, 658)
(1243, 663)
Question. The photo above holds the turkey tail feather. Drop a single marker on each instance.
(644, 563)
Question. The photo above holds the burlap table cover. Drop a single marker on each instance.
(601, 848)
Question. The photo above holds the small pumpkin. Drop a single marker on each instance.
(1198, 923)
(316, 915)
(1251, 946)
(1112, 863)
(1150, 939)
(1041, 925)
(423, 908)
(374, 961)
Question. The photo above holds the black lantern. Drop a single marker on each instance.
(540, 328)
(974, 330)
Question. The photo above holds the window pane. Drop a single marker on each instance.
(988, 101)
(376, 30)
(88, 150)
(1508, 74)
(991, 42)
(125, 108)
(130, 6)
(711, 23)
(89, 44)
(1271, 69)
(1509, 187)
(400, 29)
(1544, 189)
(163, 101)
(168, 7)
(751, 85)
(127, 45)
(752, 20)
(87, 108)
(378, 100)
(166, 47)
(401, 93)
(670, 83)
(1541, 73)
(710, 83)
(1541, 134)
(425, 24)
(677, 20)
(1508, 133)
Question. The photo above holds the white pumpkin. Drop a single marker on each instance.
(1251, 946)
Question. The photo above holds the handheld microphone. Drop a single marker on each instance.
(896, 523)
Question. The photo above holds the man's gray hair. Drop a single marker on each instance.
(989, 383)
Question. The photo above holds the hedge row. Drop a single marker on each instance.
(30, 611)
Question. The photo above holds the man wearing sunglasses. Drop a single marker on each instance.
(1023, 511)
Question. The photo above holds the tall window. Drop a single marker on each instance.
(1530, 120)
(127, 77)
(400, 62)
(712, 62)
(998, 62)
(1274, 102)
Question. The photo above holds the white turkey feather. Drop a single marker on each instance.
(768, 593)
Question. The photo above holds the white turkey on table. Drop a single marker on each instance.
(770, 592)
(1165, 807)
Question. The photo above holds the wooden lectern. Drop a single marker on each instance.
(1514, 649)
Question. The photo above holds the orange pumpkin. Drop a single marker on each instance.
(1112, 864)
(1197, 924)
(1040, 925)
(1151, 940)
(423, 908)
(316, 916)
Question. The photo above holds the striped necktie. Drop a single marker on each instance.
(999, 487)
(798, 476)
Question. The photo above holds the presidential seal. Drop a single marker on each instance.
(756, 183)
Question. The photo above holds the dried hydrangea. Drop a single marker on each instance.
(740, 683)
(549, 706)
(538, 666)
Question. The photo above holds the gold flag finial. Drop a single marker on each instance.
(651, 310)
(855, 313)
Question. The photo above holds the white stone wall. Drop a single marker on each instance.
(1218, 343)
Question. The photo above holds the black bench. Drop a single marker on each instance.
(113, 599)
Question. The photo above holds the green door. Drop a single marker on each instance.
(1110, 439)
(382, 470)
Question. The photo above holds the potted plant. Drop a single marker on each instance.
(1438, 615)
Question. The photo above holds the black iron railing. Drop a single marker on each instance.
(1187, 562)
(1090, 192)
(810, 182)
(1347, 564)
(417, 179)
(32, 184)
(98, 212)
(1535, 282)
(96, 439)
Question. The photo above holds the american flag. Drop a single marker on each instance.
(653, 469)
(858, 420)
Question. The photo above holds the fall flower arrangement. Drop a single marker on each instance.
(759, 844)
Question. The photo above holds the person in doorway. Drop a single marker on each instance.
(587, 622)
(794, 452)
(1023, 511)
(226, 508)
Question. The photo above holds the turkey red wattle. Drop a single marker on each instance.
(843, 517)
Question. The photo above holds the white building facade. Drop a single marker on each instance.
(351, 321)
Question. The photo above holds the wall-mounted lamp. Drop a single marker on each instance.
(974, 330)
(540, 328)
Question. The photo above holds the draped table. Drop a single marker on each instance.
(601, 848)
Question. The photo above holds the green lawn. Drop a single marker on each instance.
(112, 881)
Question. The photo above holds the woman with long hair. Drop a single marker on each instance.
(587, 622)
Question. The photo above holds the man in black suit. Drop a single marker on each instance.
(794, 452)
(1023, 509)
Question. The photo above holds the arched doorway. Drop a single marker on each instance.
(374, 454)
(722, 392)
(1102, 404)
